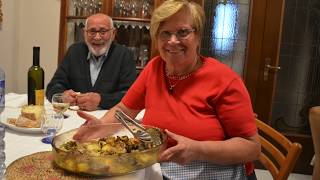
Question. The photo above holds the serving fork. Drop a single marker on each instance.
(137, 131)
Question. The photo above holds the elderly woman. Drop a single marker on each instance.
(201, 103)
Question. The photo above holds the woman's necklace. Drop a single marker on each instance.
(173, 80)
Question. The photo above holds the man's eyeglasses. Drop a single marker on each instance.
(180, 34)
(101, 32)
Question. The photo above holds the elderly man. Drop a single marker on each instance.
(96, 73)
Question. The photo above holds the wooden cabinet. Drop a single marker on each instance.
(131, 19)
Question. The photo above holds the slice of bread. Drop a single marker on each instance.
(32, 112)
(26, 122)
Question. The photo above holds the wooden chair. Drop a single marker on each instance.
(279, 154)
(314, 119)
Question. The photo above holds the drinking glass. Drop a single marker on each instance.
(51, 124)
(59, 105)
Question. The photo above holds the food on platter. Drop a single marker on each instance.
(33, 112)
(30, 117)
(107, 146)
(115, 154)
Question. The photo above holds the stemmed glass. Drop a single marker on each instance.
(59, 105)
(51, 123)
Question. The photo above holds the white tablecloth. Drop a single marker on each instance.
(20, 144)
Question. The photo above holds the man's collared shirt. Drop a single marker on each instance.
(95, 65)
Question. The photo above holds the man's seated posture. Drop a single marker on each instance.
(96, 73)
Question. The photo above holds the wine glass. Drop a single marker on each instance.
(59, 105)
(51, 123)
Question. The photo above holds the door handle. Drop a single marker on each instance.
(273, 67)
(268, 67)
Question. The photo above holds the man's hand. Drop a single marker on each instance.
(88, 101)
(70, 96)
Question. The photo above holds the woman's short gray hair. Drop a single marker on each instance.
(169, 8)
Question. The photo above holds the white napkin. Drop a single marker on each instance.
(15, 100)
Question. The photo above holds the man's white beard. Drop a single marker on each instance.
(101, 51)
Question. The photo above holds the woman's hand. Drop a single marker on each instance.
(182, 153)
(91, 129)
(95, 128)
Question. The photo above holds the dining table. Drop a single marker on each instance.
(20, 142)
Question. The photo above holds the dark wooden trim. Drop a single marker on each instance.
(270, 49)
(255, 39)
(263, 41)
(62, 33)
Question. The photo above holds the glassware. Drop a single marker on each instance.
(51, 124)
(58, 103)
(105, 164)
(75, 10)
(143, 55)
(145, 9)
(99, 6)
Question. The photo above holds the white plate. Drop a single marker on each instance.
(14, 113)
(20, 129)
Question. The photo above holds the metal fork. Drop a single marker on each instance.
(140, 133)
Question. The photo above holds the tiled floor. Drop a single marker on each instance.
(265, 175)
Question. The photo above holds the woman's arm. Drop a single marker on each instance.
(109, 117)
(232, 151)
(93, 127)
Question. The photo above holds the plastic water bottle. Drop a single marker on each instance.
(2, 128)
(2, 90)
(2, 153)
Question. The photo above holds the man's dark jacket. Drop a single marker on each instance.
(117, 74)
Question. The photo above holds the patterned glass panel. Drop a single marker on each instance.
(298, 81)
(225, 35)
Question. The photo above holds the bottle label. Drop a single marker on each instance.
(39, 97)
(2, 94)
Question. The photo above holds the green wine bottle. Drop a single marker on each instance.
(36, 80)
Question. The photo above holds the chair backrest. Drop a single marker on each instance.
(314, 119)
(279, 154)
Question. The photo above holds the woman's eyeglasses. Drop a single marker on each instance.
(101, 32)
(180, 34)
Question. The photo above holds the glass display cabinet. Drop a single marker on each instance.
(131, 20)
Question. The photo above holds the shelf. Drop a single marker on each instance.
(134, 19)
(131, 19)
(118, 23)
(76, 17)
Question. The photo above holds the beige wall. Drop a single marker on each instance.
(8, 40)
(28, 23)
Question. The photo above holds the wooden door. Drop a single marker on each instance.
(263, 50)
(263, 73)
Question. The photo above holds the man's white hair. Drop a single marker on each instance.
(110, 19)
